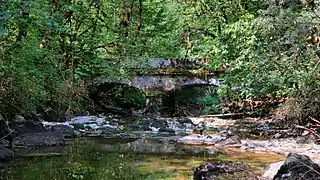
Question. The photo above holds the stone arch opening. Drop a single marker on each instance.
(117, 98)
(191, 100)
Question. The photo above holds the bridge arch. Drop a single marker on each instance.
(191, 100)
(117, 97)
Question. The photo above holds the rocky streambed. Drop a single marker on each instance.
(171, 137)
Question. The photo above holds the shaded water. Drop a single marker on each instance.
(111, 159)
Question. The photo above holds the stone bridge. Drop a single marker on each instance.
(158, 79)
(164, 75)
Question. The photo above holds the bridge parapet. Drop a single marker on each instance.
(173, 66)
(152, 83)
(163, 63)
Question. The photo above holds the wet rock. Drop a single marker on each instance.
(298, 167)
(18, 118)
(109, 130)
(232, 140)
(22, 127)
(65, 131)
(212, 170)
(39, 139)
(5, 154)
(197, 139)
(185, 120)
(168, 130)
(306, 139)
(149, 124)
(92, 126)
(84, 120)
(79, 126)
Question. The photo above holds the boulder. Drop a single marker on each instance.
(296, 167)
(40, 139)
(211, 170)
(65, 131)
(22, 127)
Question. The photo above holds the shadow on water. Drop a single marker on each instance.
(117, 159)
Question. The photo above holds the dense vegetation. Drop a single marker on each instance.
(50, 49)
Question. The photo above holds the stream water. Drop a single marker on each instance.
(131, 159)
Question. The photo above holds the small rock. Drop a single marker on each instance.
(278, 136)
(306, 139)
(305, 133)
(19, 118)
(38, 140)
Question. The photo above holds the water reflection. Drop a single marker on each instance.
(153, 146)
(123, 159)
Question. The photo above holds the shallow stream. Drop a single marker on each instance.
(116, 159)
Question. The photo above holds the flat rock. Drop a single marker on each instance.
(197, 139)
(65, 131)
(40, 139)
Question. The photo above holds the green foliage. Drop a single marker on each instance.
(263, 49)
(49, 51)
(201, 100)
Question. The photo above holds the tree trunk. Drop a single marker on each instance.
(188, 42)
(23, 26)
(54, 5)
(140, 18)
